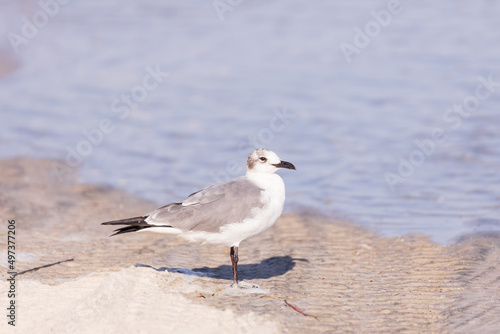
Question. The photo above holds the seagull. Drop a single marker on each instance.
(224, 213)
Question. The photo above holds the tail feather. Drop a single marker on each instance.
(133, 224)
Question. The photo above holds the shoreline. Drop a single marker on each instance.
(349, 278)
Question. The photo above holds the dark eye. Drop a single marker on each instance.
(263, 159)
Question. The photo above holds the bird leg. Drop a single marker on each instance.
(234, 261)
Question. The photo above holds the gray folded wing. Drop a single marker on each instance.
(212, 207)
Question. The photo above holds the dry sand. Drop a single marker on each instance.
(350, 279)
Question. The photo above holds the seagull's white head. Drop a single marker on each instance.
(267, 162)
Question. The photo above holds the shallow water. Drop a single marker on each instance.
(270, 74)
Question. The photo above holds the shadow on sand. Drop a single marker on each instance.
(271, 267)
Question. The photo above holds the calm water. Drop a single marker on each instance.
(373, 138)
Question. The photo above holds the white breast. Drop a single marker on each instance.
(273, 197)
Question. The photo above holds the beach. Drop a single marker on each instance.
(314, 273)
(112, 109)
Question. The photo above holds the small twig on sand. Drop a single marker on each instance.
(280, 297)
(300, 311)
(44, 266)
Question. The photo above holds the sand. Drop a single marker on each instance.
(346, 277)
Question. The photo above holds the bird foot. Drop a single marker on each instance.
(244, 285)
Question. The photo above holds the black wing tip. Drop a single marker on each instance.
(128, 229)
(126, 221)
(133, 224)
(135, 228)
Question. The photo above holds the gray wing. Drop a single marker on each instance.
(212, 207)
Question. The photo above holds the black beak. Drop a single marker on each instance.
(285, 164)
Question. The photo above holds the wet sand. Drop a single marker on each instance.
(348, 278)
